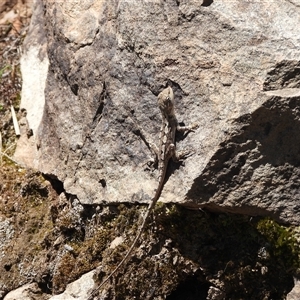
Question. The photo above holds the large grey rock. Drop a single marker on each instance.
(234, 67)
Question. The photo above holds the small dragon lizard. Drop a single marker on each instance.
(165, 151)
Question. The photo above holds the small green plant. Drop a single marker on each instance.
(3, 70)
(283, 243)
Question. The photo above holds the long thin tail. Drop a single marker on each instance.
(140, 230)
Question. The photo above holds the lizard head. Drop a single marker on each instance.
(165, 101)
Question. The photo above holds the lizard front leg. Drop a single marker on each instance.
(190, 128)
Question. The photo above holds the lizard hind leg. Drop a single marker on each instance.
(153, 161)
(182, 154)
(178, 156)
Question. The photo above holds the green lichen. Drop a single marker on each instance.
(26, 204)
(284, 246)
(88, 251)
(229, 245)
(3, 69)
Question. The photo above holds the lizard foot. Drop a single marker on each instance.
(183, 154)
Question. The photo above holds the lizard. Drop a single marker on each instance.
(164, 153)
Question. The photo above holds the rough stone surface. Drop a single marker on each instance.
(28, 291)
(6, 232)
(234, 67)
(256, 170)
(215, 294)
(294, 294)
(78, 289)
(34, 68)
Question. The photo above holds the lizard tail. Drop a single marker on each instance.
(140, 230)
